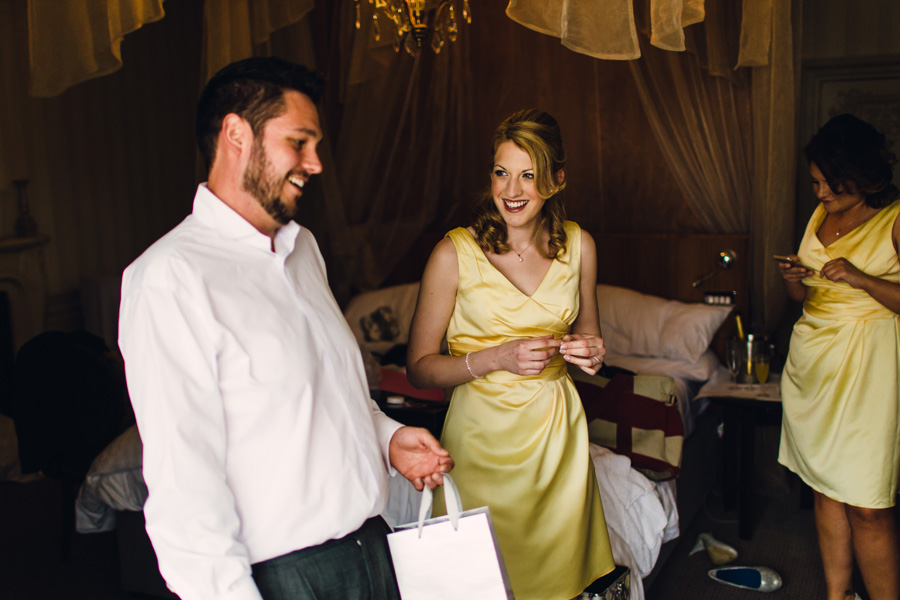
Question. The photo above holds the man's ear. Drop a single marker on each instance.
(236, 133)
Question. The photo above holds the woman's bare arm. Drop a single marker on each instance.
(584, 346)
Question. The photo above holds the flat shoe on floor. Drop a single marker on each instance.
(761, 579)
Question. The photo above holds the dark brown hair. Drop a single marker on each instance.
(253, 89)
(538, 134)
(853, 157)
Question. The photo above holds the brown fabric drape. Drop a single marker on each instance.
(70, 41)
(774, 100)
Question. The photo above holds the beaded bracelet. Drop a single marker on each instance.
(469, 369)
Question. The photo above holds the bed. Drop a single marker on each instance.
(654, 323)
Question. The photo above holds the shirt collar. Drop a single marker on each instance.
(210, 210)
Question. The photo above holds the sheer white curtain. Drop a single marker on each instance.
(403, 145)
(700, 124)
(774, 99)
(236, 29)
(606, 28)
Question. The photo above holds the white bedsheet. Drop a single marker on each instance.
(640, 514)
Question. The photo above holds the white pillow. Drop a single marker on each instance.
(401, 302)
(643, 325)
(701, 370)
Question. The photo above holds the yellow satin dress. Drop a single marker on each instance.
(520, 443)
(841, 383)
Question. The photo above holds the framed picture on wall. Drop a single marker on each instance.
(866, 87)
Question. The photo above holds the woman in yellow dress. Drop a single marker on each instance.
(841, 384)
(515, 294)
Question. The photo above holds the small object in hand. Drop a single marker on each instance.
(761, 579)
(792, 261)
(395, 400)
(719, 553)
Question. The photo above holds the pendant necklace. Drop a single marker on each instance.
(852, 223)
(519, 254)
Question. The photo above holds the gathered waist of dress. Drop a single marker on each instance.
(557, 369)
(827, 305)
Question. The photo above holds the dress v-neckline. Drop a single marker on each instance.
(846, 235)
(504, 277)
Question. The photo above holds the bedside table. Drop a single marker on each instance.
(744, 406)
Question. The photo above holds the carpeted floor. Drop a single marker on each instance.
(30, 564)
(784, 539)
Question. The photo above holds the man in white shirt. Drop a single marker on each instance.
(266, 462)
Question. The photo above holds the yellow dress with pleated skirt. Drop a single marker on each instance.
(520, 443)
(841, 383)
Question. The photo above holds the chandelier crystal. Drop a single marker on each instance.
(409, 20)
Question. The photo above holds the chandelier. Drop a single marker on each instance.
(410, 21)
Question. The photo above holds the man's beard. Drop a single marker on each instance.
(264, 185)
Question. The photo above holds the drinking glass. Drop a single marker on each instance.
(761, 365)
(733, 356)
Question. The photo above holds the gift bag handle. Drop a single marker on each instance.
(451, 499)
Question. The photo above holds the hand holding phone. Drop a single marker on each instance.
(792, 261)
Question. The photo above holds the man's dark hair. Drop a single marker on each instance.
(853, 156)
(252, 88)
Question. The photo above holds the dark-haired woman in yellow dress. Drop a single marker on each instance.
(841, 384)
(515, 294)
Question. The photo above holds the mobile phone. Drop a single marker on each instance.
(793, 261)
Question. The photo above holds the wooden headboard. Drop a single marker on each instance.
(662, 264)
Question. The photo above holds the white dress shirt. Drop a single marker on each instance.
(251, 401)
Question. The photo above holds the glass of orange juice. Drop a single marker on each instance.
(761, 363)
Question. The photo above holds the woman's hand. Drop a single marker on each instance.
(793, 276)
(584, 350)
(841, 269)
(527, 357)
(792, 272)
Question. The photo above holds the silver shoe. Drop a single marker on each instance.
(761, 579)
(719, 553)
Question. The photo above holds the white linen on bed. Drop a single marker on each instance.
(640, 515)
(114, 482)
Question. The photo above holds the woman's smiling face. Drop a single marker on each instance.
(513, 187)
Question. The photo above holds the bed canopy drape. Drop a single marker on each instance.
(701, 69)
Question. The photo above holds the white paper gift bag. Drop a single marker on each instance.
(454, 557)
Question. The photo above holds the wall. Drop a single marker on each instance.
(845, 28)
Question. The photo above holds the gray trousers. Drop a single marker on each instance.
(355, 567)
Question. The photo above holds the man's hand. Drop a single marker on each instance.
(419, 457)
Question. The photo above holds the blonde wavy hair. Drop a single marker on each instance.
(537, 133)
